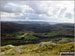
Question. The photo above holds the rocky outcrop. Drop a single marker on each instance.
(42, 44)
(10, 45)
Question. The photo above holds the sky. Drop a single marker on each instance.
(50, 11)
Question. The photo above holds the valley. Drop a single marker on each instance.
(28, 36)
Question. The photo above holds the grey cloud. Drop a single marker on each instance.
(31, 16)
(3, 8)
(10, 9)
(62, 11)
(69, 15)
(33, 4)
(36, 6)
(37, 10)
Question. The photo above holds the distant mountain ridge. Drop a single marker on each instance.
(38, 22)
(33, 22)
(35, 26)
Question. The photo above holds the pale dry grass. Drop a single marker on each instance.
(30, 50)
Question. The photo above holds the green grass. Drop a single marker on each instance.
(30, 49)
(5, 48)
(65, 40)
(30, 37)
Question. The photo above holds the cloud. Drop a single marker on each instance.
(51, 11)
(69, 15)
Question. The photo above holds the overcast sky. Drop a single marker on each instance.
(51, 11)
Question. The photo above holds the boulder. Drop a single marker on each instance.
(11, 46)
(18, 49)
(42, 44)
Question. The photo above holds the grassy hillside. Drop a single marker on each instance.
(36, 49)
(36, 39)
(18, 34)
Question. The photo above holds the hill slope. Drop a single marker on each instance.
(16, 33)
